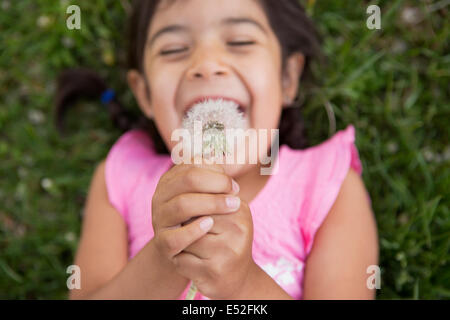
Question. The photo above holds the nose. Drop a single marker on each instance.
(206, 64)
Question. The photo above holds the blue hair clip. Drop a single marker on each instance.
(107, 96)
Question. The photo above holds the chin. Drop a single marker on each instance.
(237, 170)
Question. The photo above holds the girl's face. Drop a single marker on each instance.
(221, 48)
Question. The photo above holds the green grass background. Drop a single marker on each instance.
(392, 84)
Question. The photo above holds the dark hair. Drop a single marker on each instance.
(291, 25)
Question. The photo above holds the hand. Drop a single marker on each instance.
(183, 193)
(220, 262)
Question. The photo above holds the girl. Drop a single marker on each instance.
(307, 231)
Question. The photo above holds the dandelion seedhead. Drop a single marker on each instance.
(215, 116)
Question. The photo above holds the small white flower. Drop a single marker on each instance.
(43, 21)
(392, 147)
(399, 46)
(36, 116)
(46, 183)
(411, 15)
(428, 155)
(67, 42)
(69, 236)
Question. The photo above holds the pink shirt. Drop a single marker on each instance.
(286, 213)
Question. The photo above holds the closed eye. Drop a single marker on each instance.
(240, 43)
(231, 43)
(173, 51)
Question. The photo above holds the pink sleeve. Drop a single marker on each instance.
(120, 176)
(334, 160)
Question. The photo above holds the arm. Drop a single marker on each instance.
(344, 246)
(102, 256)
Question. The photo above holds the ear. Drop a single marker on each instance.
(138, 85)
(291, 77)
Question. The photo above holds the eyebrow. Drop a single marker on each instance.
(168, 29)
(176, 28)
(242, 20)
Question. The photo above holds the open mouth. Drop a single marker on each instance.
(241, 107)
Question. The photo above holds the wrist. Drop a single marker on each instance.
(167, 278)
(157, 258)
(246, 291)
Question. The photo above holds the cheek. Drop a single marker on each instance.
(162, 96)
(265, 87)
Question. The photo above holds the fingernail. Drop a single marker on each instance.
(233, 202)
(206, 224)
(235, 186)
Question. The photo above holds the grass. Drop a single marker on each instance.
(392, 84)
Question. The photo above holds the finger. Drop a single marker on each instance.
(236, 221)
(189, 266)
(174, 240)
(186, 206)
(199, 180)
(169, 175)
(230, 224)
(205, 247)
(175, 169)
(218, 245)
